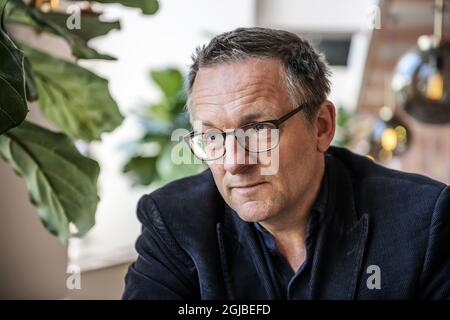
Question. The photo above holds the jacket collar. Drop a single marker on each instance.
(339, 248)
(341, 242)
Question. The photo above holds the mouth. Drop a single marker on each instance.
(248, 188)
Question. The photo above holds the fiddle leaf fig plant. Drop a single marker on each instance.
(13, 105)
(75, 99)
(61, 182)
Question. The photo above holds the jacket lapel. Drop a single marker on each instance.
(338, 260)
(245, 274)
(341, 241)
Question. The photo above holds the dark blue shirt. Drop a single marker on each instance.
(290, 284)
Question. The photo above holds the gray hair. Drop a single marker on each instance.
(306, 72)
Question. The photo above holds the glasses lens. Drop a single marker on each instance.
(208, 145)
(258, 137)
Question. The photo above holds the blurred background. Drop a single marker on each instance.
(390, 61)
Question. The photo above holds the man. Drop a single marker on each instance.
(323, 224)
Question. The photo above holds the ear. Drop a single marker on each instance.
(325, 125)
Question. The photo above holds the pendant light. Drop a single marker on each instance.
(389, 136)
(421, 80)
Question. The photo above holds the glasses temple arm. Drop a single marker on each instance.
(290, 114)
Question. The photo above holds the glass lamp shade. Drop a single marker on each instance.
(421, 82)
(389, 137)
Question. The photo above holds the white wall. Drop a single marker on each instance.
(328, 17)
(323, 15)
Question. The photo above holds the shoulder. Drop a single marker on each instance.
(183, 206)
(188, 190)
(368, 174)
(402, 198)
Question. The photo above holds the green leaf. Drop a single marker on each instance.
(75, 99)
(31, 89)
(142, 170)
(170, 81)
(158, 123)
(182, 120)
(170, 171)
(13, 105)
(178, 104)
(28, 15)
(147, 6)
(90, 25)
(61, 183)
(161, 112)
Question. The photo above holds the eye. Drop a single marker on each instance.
(212, 136)
(259, 126)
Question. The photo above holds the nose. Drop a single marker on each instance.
(236, 158)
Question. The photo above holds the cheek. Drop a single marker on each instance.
(296, 158)
(218, 175)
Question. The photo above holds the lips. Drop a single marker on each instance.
(247, 188)
(248, 185)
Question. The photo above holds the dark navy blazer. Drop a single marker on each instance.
(193, 246)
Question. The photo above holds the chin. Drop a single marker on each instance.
(254, 211)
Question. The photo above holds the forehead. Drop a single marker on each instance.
(228, 92)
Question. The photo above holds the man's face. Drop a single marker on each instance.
(230, 95)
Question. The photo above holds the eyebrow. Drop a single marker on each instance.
(246, 119)
(249, 117)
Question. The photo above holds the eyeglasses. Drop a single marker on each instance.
(253, 137)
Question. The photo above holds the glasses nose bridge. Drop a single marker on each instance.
(237, 154)
(235, 133)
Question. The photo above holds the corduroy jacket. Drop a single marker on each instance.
(379, 223)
